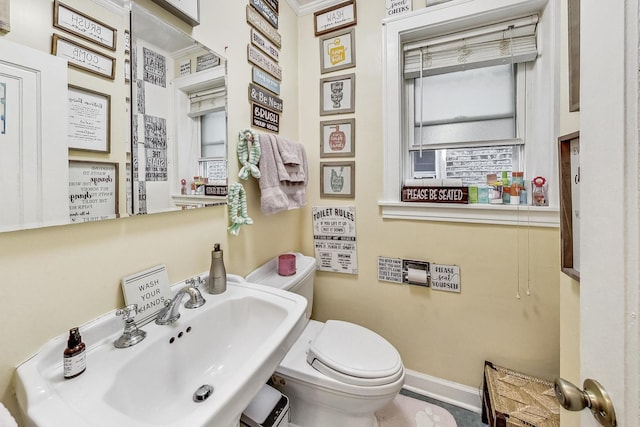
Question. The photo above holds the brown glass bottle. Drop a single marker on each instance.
(75, 361)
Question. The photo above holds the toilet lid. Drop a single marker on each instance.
(355, 355)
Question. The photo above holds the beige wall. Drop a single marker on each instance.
(441, 334)
(56, 278)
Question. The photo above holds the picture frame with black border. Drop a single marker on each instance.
(338, 51)
(337, 179)
(337, 138)
(337, 94)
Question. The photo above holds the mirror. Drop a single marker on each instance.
(179, 120)
(47, 179)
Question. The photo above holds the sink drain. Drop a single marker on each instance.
(202, 393)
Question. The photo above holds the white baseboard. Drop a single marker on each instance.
(445, 391)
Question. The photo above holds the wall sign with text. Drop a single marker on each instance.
(335, 18)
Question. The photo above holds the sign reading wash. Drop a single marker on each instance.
(149, 289)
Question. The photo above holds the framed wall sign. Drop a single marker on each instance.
(338, 51)
(84, 58)
(258, 22)
(264, 98)
(569, 162)
(256, 57)
(337, 94)
(89, 120)
(337, 138)
(93, 191)
(187, 10)
(337, 179)
(81, 25)
(335, 17)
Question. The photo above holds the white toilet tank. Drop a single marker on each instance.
(301, 282)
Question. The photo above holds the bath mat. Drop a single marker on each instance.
(405, 411)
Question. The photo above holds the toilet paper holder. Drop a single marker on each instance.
(416, 273)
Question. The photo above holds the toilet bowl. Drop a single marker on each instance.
(337, 373)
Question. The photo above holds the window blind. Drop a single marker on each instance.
(507, 42)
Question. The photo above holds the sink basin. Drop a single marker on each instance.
(233, 343)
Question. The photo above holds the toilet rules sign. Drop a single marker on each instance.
(334, 239)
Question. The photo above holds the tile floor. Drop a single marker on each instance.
(463, 417)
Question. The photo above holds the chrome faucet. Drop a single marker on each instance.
(131, 335)
(171, 311)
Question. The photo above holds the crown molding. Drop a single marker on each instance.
(311, 7)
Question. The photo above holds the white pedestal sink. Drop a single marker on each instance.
(233, 343)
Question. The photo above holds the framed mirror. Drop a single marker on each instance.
(179, 118)
(45, 178)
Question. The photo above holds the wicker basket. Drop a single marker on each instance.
(515, 399)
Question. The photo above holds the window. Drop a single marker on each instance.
(468, 120)
(467, 93)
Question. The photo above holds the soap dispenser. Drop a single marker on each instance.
(75, 361)
(217, 272)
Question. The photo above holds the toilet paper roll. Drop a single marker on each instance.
(415, 275)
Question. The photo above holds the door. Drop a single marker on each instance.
(609, 241)
(34, 183)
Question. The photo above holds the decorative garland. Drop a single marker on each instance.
(237, 200)
(249, 159)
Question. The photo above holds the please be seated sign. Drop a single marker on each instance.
(435, 194)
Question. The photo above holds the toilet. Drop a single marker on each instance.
(336, 373)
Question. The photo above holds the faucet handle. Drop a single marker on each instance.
(131, 334)
(128, 312)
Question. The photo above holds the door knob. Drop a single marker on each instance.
(594, 397)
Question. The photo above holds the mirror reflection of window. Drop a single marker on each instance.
(213, 132)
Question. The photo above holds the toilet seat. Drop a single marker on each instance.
(354, 355)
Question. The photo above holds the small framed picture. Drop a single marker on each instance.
(89, 120)
(337, 179)
(338, 51)
(337, 94)
(335, 18)
(337, 138)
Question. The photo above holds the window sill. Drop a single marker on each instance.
(518, 215)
